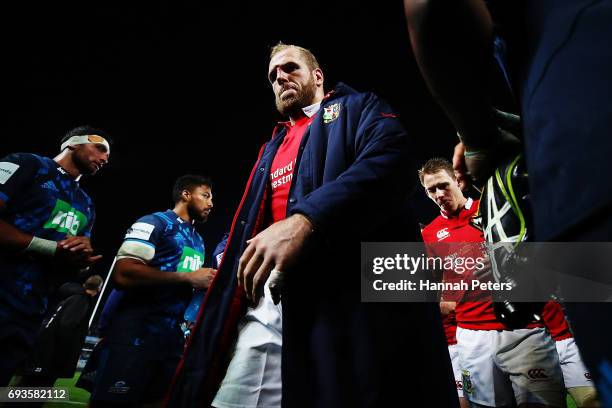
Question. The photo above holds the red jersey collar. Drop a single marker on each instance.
(466, 206)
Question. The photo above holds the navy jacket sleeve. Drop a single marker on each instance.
(375, 184)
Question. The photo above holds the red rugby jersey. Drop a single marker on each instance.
(283, 166)
(555, 321)
(474, 308)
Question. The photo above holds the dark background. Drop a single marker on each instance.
(181, 87)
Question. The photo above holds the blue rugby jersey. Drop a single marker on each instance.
(198, 295)
(158, 310)
(43, 200)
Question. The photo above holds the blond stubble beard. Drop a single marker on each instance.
(292, 105)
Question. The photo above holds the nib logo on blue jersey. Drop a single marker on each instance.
(66, 218)
(165, 242)
(190, 260)
(44, 201)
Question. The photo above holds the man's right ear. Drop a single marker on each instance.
(185, 194)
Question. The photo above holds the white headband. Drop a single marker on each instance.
(85, 139)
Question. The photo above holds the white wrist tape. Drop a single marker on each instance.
(41, 246)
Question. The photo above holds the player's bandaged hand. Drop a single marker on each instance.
(276, 282)
(277, 247)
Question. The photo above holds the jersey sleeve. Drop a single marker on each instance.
(17, 172)
(141, 239)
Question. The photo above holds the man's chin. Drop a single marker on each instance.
(288, 106)
(446, 208)
(88, 171)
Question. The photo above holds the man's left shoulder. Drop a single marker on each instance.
(345, 94)
(372, 106)
(361, 106)
(350, 96)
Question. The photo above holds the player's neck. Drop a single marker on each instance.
(64, 159)
(301, 114)
(296, 117)
(180, 209)
(461, 204)
(456, 213)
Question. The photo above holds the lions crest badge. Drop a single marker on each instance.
(331, 113)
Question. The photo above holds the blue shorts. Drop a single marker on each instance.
(130, 373)
(17, 338)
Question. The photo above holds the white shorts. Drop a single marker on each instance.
(575, 373)
(253, 377)
(454, 357)
(501, 367)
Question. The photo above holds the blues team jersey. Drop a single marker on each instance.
(175, 247)
(43, 200)
(198, 295)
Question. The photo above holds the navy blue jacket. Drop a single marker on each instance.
(566, 112)
(354, 173)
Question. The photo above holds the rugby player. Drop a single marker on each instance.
(500, 367)
(158, 266)
(45, 227)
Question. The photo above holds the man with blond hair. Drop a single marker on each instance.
(500, 367)
(283, 322)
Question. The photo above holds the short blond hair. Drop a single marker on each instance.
(435, 165)
(311, 60)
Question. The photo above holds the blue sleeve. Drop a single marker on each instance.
(381, 176)
(148, 230)
(218, 252)
(17, 173)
